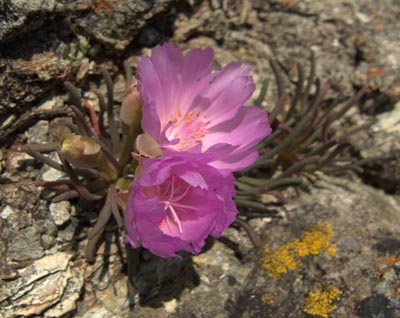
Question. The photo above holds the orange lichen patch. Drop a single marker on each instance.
(46, 63)
(40, 62)
(321, 303)
(101, 5)
(386, 264)
(374, 72)
(268, 299)
(391, 260)
(287, 257)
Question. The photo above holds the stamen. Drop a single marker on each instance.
(172, 183)
(184, 206)
(182, 195)
(189, 129)
(172, 192)
(175, 216)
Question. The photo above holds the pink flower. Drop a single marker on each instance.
(187, 107)
(176, 202)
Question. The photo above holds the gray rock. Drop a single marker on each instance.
(38, 133)
(60, 212)
(48, 241)
(39, 286)
(71, 294)
(380, 147)
(14, 218)
(354, 42)
(51, 174)
(69, 233)
(17, 161)
(26, 245)
(117, 23)
(360, 219)
(22, 16)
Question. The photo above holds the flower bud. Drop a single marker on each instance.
(131, 106)
(81, 151)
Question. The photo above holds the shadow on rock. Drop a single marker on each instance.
(160, 280)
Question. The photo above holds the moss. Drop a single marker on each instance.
(287, 257)
(321, 303)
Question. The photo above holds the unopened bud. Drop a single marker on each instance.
(81, 151)
(131, 106)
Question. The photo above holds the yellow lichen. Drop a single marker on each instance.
(331, 250)
(288, 256)
(321, 303)
(315, 240)
(280, 261)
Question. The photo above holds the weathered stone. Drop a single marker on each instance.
(60, 212)
(38, 133)
(40, 286)
(16, 161)
(70, 295)
(21, 16)
(357, 218)
(7, 213)
(69, 233)
(85, 67)
(47, 293)
(24, 82)
(37, 271)
(359, 37)
(26, 245)
(117, 23)
(381, 147)
(48, 241)
(51, 174)
(14, 218)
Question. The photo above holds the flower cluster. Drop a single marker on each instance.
(196, 133)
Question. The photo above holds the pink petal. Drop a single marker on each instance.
(194, 178)
(225, 105)
(247, 128)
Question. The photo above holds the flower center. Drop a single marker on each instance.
(189, 128)
(173, 192)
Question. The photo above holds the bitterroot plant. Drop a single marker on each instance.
(164, 170)
(302, 142)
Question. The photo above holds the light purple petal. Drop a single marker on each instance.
(194, 178)
(225, 105)
(150, 122)
(187, 201)
(236, 161)
(188, 108)
(247, 128)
